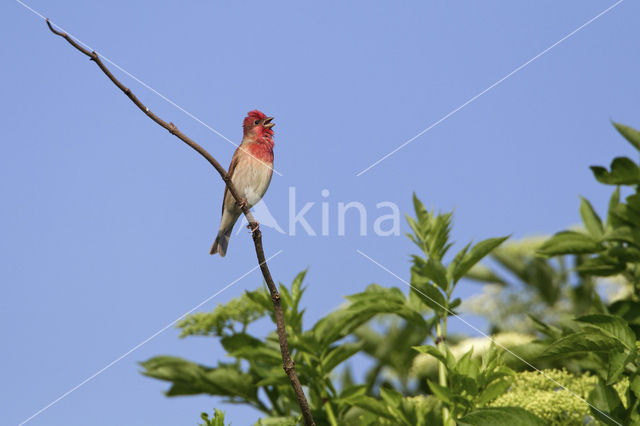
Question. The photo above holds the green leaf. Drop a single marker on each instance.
(296, 288)
(601, 266)
(391, 396)
(493, 390)
(374, 300)
(546, 329)
(512, 416)
(438, 236)
(606, 405)
(623, 172)
(466, 366)
(463, 388)
(569, 242)
(626, 214)
(625, 254)
(633, 201)
(455, 303)
(431, 232)
(285, 297)
(484, 274)
(613, 326)
(275, 376)
(421, 212)
(242, 345)
(581, 342)
(396, 405)
(433, 351)
(304, 342)
(429, 294)
(217, 420)
(230, 381)
(627, 309)
(625, 234)
(240, 341)
(451, 359)
(369, 404)
(277, 421)
(634, 385)
(353, 391)
(433, 270)
(441, 392)
(612, 221)
(189, 378)
(260, 297)
(456, 260)
(600, 173)
(629, 133)
(617, 364)
(591, 220)
(473, 256)
(338, 355)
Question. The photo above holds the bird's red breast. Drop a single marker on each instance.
(263, 151)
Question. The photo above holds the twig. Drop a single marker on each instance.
(287, 362)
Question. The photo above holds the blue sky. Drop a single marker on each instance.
(107, 219)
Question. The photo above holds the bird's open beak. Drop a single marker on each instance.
(267, 122)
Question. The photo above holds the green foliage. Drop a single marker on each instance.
(570, 242)
(425, 365)
(545, 301)
(609, 346)
(472, 383)
(240, 311)
(630, 134)
(605, 341)
(317, 352)
(430, 233)
(217, 420)
(613, 247)
(322, 352)
(433, 282)
(464, 383)
(189, 378)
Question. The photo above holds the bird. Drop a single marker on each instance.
(250, 171)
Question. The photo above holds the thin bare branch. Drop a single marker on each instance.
(287, 362)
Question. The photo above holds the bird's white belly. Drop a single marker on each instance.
(254, 184)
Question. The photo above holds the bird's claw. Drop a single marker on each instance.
(242, 204)
(253, 227)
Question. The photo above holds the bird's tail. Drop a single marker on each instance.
(221, 242)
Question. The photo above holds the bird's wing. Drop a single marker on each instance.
(232, 167)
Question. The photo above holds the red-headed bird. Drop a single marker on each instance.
(250, 171)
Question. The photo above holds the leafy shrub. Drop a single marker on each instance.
(546, 312)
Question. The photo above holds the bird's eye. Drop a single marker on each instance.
(256, 122)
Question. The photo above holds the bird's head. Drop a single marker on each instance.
(258, 125)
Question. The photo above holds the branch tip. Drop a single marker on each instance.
(53, 30)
